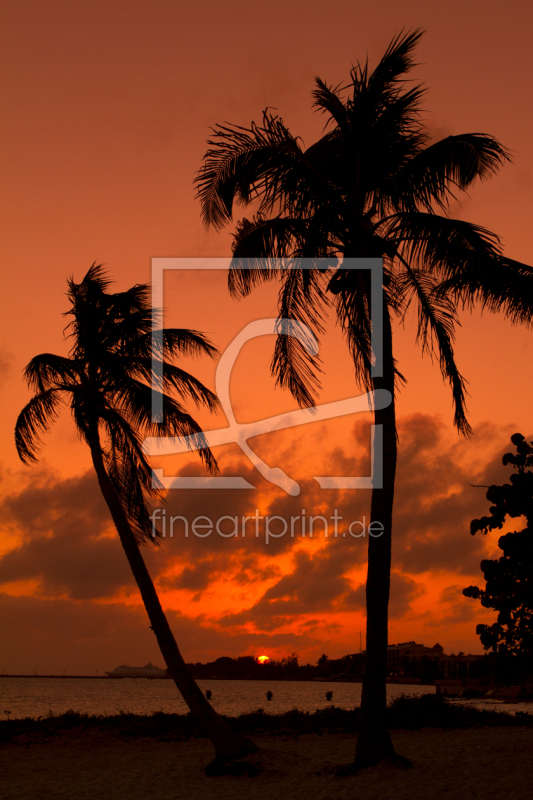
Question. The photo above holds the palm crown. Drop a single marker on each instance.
(372, 186)
(105, 380)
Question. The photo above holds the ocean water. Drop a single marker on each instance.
(36, 697)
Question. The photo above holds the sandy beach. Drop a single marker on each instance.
(93, 765)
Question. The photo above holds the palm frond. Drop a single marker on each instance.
(237, 163)
(328, 100)
(378, 100)
(446, 247)
(173, 378)
(501, 285)
(397, 60)
(261, 248)
(294, 363)
(186, 342)
(131, 475)
(433, 173)
(35, 419)
(436, 332)
(264, 162)
(48, 370)
(262, 239)
(95, 278)
(134, 400)
(123, 439)
(468, 262)
(351, 289)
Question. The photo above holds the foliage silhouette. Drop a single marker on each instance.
(372, 186)
(509, 579)
(104, 380)
(404, 713)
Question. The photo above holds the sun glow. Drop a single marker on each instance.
(263, 659)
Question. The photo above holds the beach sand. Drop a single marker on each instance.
(476, 763)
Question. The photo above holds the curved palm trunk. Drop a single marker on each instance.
(226, 742)
(373, 740)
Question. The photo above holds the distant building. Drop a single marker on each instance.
(405, 657)
(400, 655)
(458, 666)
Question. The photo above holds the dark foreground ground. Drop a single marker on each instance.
(456, 752)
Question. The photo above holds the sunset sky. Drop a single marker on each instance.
(107, 107)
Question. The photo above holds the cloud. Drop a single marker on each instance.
(62, 523)
(435, 501)
(403, 590)
(436, 498)
(196, 577)
(193, 562)
(315, 585)
(454, 607)
(64, 528)
(49, 502)
(50, 635)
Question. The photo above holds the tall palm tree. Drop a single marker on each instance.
(105, 382)
(371, 186)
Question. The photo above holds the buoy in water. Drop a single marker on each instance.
(269, 695)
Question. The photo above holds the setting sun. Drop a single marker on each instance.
(263, 659)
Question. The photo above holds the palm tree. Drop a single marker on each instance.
(104, 380)
(371, 186)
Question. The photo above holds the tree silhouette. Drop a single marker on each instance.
(104, 381)
(372, 186)
(509, 579)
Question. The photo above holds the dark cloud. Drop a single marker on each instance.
(315, 585)
(51, 635)
(434, 504)
(196, 577)
(199, 576)
(403, 590)
(62, 523)
(436, 498)
(454, 607)
(193, 562)
(47, 503)
(249, 570)
(434, 501)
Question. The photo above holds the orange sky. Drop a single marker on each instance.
(107, 107)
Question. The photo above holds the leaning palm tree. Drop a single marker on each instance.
(372, 186)
(105, 380)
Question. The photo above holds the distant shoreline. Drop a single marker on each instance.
(92, 677)
(207, 678)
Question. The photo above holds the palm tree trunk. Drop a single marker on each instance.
(226, 742)
(373, 740)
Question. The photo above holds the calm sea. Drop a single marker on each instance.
(34, 697)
